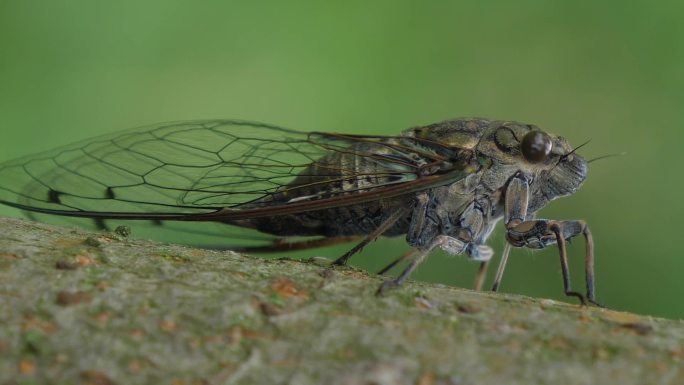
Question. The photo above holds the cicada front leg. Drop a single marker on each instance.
(542, 232)
(539, 233)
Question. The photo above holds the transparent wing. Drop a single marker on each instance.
(217, 169)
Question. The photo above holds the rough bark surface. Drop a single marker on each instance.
(99, 308)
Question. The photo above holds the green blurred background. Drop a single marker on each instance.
(608, 71)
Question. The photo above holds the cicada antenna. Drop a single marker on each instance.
(606, 156)
(575, 149)
(569, 153)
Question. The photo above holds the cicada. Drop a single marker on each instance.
(442, 186)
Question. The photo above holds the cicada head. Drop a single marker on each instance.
(556, 169)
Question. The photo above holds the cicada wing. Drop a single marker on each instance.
(214, 170)
(183, 168)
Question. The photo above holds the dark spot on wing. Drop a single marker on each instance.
(53, 196)
(109, 193)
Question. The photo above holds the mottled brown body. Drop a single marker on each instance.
(343, 180)
(462, 135)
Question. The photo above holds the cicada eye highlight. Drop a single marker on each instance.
(536, 146)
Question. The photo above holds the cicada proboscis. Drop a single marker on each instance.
(443, 185)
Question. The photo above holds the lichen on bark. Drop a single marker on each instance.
(100, 308)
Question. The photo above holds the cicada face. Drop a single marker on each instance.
(555, 168)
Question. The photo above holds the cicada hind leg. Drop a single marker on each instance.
(386, 225)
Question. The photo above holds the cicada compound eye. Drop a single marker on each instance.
(536, 146)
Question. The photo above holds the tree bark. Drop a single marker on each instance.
(100, 308)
